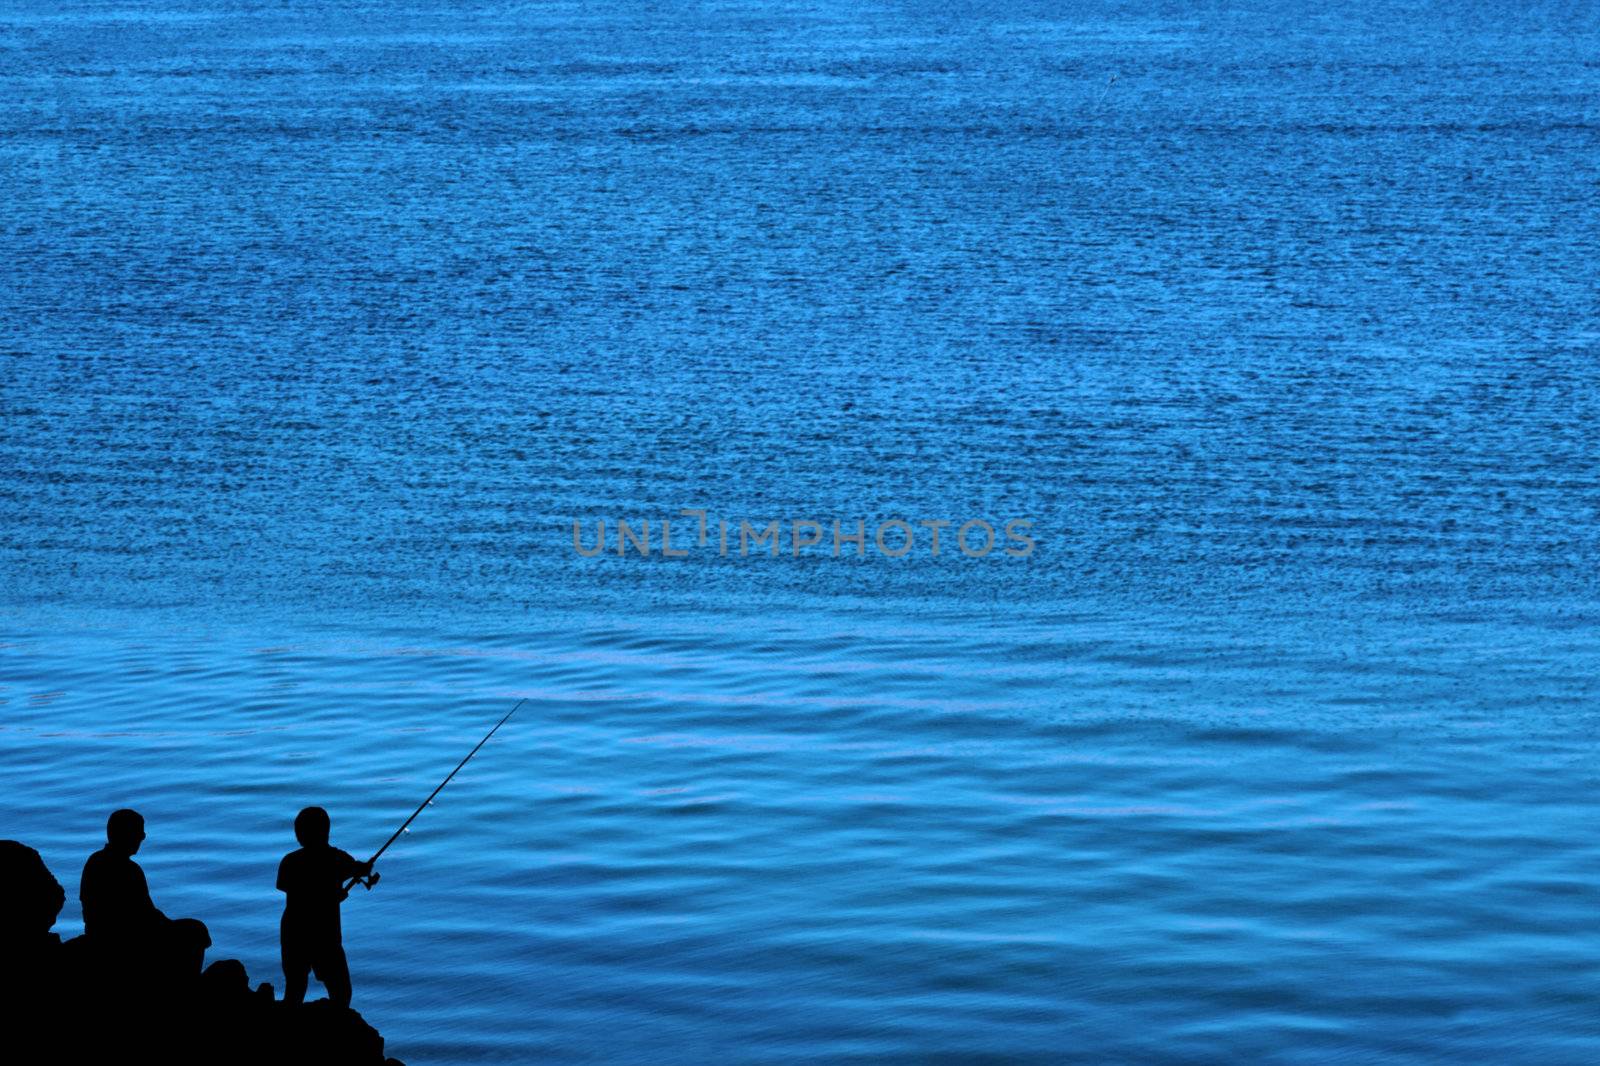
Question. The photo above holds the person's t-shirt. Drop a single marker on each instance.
(313, 880)
(115, 897)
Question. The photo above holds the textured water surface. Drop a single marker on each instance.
(322, 324)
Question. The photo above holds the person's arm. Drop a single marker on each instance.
(143, 901)
(354, 867)
(88, 894)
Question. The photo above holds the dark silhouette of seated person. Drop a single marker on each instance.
(312, 880)
(122, 922)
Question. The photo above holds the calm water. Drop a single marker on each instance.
(323, 323)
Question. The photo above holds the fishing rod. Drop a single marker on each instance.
(371, 878)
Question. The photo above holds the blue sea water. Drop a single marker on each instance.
(323, 324)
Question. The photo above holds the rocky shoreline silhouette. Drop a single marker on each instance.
(80, 1000)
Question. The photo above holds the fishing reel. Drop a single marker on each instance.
(365, 882)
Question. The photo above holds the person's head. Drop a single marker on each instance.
(125, 831)
(311, 827)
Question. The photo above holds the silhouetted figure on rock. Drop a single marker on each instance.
(312, 879)
(120, 921)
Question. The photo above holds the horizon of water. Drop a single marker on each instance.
(323, 327)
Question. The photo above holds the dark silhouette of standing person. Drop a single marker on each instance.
(120, 918)
(312, 880)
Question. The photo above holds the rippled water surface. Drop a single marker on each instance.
(322, 324)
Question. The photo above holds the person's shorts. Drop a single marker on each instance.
(315, 950)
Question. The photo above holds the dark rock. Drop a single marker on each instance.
(30, 896)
